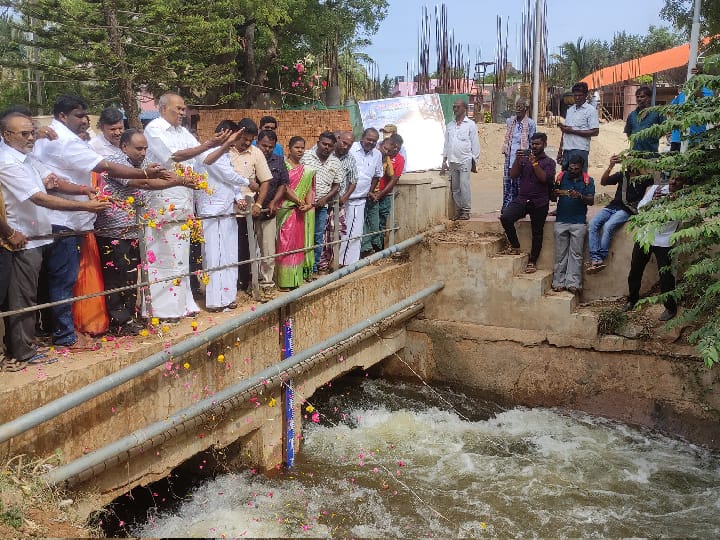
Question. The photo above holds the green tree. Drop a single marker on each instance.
(680, 13)
(576, 60)
(386, 87)
(697, 206)
(222, 52)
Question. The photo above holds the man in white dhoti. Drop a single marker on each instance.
(221, 234)
(369, 163)
(168, 245)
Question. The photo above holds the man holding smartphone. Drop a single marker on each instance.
(536, 172)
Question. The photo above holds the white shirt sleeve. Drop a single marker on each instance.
(75, 154)
(157, 146)
(223, 171)
(379, 165)
(474, 142)
(16, 182)
(649, 192)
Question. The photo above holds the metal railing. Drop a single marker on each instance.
(144, 282)
(225, 400)
(68, 401)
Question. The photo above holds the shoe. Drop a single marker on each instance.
(667, 315)
(595, 267)
(130, 328)
(629, 306)
(573, 290)
(558, 289)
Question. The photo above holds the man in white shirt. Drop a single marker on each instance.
(461, 152)
(169, 143)
(25, 204)
(111, 125)
(72, 158)
(369, 163)
(221, 234)
(581, 123)
(661, 246)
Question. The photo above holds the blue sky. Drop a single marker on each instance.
(474, 23)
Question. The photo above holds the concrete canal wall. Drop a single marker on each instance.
(493, 328)
(506, 335)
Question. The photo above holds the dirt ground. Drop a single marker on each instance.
(487, 182)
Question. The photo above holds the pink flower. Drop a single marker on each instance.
(151, 256)
(324, 84)
(299, 67)
(315, 417)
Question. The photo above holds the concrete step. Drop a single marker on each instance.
(507, 266)
(487, 224)
(492, 245)
(563, 304)
(585, 323)
(529, 286)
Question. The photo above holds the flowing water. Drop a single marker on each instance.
(395, 461)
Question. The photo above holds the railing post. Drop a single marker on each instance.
(335, 263)
(253, 249)
(391, 219)
(144, 295)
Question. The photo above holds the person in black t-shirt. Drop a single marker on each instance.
(603, 226)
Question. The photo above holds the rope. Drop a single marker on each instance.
(144, 284)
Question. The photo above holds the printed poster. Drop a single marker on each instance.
(419, 121)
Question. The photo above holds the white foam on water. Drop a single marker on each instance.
(522, 472)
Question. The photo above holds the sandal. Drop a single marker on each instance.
(509, 251)
(530, 268)
(10, 365)
(596, 267)
(558, 289)
(40, 359)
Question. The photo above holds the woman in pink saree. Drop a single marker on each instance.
(296, 221)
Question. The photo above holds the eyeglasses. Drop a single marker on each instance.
(23, 134)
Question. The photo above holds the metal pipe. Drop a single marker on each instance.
(694, 38)
(536, 59)
(62, 404)
(335, 263)
(254, 262)
(391, 218)
(267, 378)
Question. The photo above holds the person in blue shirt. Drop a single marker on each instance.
(675, 136)
(271, 123)
(640, 119)
(575, 191)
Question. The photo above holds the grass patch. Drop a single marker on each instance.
(12, 517)
(30, 507)
(611, 320)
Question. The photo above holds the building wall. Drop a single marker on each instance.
(307, 124)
